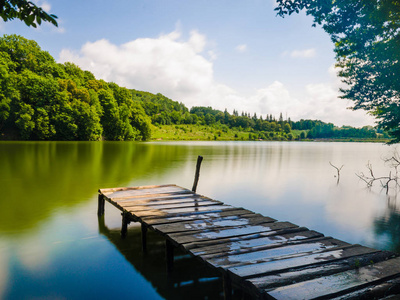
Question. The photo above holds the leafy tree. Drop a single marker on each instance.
(110, 119)
(209, 119)
(87, 120)
(366, 35)
(43, 129)
(26, 54)
(6, 89)
(26, 11)
(24, 120)
(286, 128)
(140, 121)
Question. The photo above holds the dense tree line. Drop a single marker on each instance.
(164, 111)
(44, 100)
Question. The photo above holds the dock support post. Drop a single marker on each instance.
(169, 256)
(227, 283)
(125, 222)
(196, 177)
(100, 207)
(144, 238)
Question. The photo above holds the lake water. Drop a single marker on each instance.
(53, 246)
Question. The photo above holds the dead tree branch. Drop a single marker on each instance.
(338, 171)
(385, 181)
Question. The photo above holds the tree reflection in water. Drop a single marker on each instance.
(387, 226)
(190, 276)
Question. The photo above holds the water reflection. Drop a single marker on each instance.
(387, 225)
(49, 239)
(189, 274)
(38, 179)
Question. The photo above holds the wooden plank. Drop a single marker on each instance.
(202, 244)
(253, 270)
(191, 217)
(224, 225)
(245, 245)
(302, 274)
(232, 232)
(179, 212)
(388, 290)
(167, 207)
(163, 200)
(209, 223)
(290, 251)
(341, 283)
(112, 190)
(118, 196)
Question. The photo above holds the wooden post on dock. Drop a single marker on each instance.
(100, 207)
(125, 222)
(196, 177)
(169, 255)
(227, 284)
(144, 237)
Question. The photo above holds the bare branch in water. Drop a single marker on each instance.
(393, 162)
(338, 171)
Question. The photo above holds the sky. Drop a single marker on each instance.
(230, 55)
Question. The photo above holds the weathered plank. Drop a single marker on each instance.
(127, 195)
(180, 212)
(235, 212)
(112, 190)
(245, 245)
(182, 238)
(253, 270)
(306, 273)
(227, 241)
(341, 283)
(388, 290)
(212, 223)
(289, 251)
(166, 207)
(162, 200)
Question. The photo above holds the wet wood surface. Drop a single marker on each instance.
(263, 257)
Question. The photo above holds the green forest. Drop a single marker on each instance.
(41, 99)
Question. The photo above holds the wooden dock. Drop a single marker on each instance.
(264, 258)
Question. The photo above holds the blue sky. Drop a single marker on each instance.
(225, 54)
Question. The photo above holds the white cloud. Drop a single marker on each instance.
(164, 65)
(307, 53)
(197, 41)
(241, 48)
(212, 55)
(183, 71)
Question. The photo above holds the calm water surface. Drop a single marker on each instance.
(52, 245)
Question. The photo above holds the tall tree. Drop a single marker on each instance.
(366, 35)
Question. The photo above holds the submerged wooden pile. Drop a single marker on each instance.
(263, 257)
